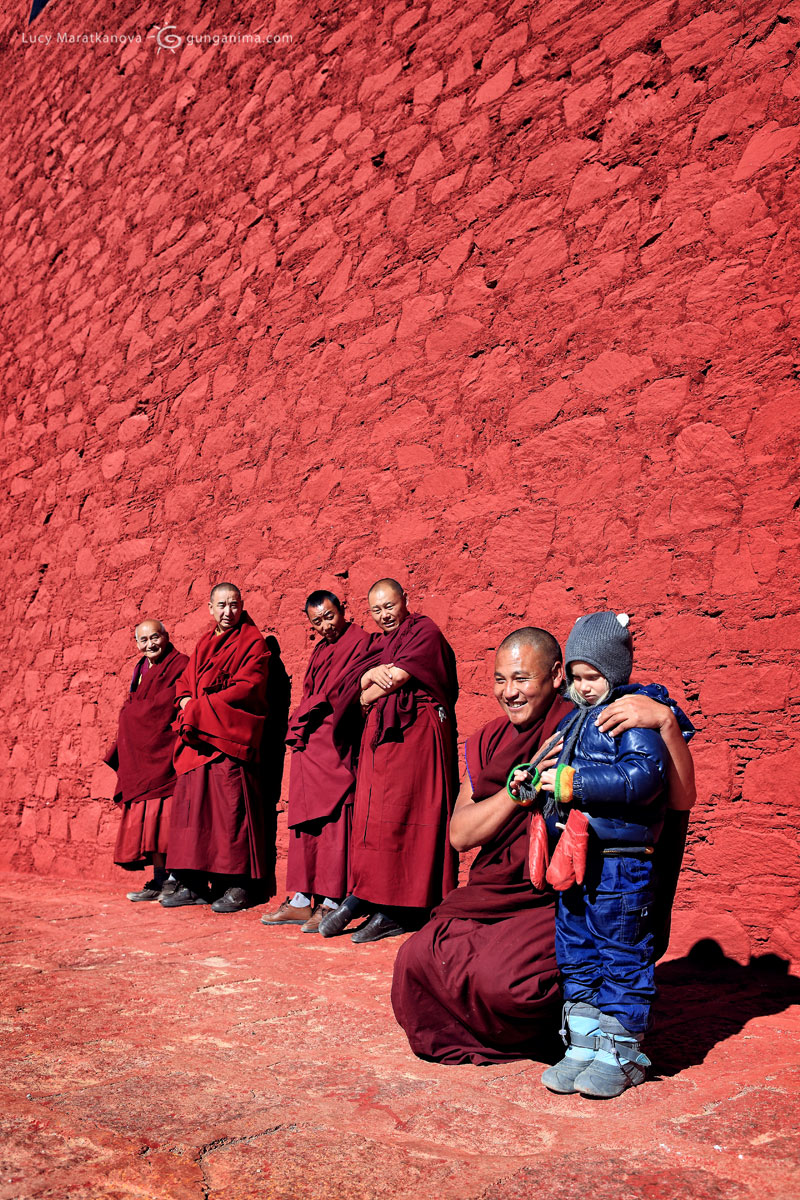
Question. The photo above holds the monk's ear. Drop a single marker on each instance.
(558, 675)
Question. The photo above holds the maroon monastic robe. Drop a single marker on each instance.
(217, 811)
(406, 786)
(323, 737)
(479, 983)
(142, 757)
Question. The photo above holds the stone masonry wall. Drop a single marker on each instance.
(498, 298)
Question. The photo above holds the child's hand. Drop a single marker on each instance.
(549, 780)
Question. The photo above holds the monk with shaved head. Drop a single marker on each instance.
(323, 736)
(142, 757)
(401, 862)
(217, 846)
(479, 983)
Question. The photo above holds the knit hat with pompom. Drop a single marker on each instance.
(602, 640)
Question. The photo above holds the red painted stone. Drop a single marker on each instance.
(497, 299)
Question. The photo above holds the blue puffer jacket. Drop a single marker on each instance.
(621, 782)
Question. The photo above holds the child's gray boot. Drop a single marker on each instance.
(618, 1064)
(580, 1034)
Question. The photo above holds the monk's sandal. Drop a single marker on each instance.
(618, 1064)
(580, 1033)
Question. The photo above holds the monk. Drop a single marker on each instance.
(401, 862)
(479, 983)
(142, 757)
(323, 738)
(217, 845)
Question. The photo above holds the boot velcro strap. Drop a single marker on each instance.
(623, 1050)
(571, 1037)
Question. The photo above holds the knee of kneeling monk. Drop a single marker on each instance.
(413, 958)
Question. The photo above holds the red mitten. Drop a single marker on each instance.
(538, 851)
(568, 865)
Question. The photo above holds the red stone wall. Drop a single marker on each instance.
(496, 298)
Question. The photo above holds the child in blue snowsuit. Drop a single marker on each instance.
(604, 930)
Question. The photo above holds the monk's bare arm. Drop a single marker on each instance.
(473, 823)
(642, 712)
(372, 687)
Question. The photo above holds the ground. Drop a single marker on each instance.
(178, 1055)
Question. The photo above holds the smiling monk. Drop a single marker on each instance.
(479, 983)
(217, 844)
(401, 859)
(142, 757)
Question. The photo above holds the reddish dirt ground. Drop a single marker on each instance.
(182, 1055)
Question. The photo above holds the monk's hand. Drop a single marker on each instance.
(518, 778)
(551, 758)
(184, 702)
(633, 712)
(382, 675)
(549, 780)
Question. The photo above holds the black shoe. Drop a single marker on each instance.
(337, 919)
(150, 891)
(234, 900)
(182, 897)
(377, 927)
(169, 887)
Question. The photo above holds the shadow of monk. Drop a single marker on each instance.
(273, 748)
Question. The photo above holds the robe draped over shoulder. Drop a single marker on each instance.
(407, 779)
(143, 751)
(225, 682)
(218, 819)
(323, 735)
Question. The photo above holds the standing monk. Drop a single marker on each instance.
(401, 860)
(323, 736)
(217, 836)
(142, 758)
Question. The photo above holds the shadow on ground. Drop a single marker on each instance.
(705, 998)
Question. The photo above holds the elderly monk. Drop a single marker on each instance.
(401, 862)
(323, 737)
(142, 758)
(479, 983)
(217, 844)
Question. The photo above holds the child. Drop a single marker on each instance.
(604, 926)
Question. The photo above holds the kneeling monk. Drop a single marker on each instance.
(479, 983)
(142, 757)
(217, 812)
(401, 861)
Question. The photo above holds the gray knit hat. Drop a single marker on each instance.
(602, 640)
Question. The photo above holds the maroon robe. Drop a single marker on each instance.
(142, 758)
(400, 853)
(217, 821)
(479, 983)
(323, 737)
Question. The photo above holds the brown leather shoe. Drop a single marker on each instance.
(312, 924)
(288, 915)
